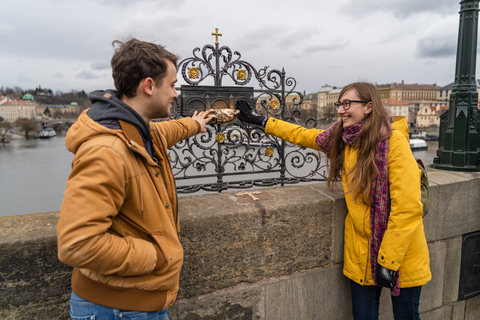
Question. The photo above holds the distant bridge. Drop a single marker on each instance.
(56, 122)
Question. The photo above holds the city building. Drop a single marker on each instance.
(326, 96)
(408, 92)
(28, 97)
(59, 111)
(429, 116)
(14, 109)
(308, 108)
(3, 99)
(396, 107)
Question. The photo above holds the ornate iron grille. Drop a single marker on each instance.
(237, 155)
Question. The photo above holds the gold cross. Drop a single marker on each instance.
(216, 34)
(250, 194)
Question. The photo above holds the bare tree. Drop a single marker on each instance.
(27, 125)
(5, 128)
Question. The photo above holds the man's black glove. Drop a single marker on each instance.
(249, 115)
(384, 277)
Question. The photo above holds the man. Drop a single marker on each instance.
(119, 225)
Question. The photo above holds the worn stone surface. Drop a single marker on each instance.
(28, 227)
(432, 292)
(458, 203)
(37, 311)
(430, 221)
(339, 214)
(34, 284)
(472, 308)
(443, 313)
(458, 310)
(227, 243)
(452, 269)
(318, 294)
(233, 304)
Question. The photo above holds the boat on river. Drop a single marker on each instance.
(47, 133)
(418, 144)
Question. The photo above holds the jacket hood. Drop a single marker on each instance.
(400, 124)
(102, 118)
(85, 129)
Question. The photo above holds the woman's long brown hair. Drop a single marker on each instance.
(360, 177)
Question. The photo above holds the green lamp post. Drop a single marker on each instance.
(459, 137)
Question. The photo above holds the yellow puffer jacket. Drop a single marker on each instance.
(404, 245)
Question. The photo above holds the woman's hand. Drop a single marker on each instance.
(249, 115)
(384, 277)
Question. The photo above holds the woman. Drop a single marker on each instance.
(385, 243)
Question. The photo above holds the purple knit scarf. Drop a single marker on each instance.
(380, 196)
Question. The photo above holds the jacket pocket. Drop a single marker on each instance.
(172, 249)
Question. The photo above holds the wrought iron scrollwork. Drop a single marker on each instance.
(229, 155)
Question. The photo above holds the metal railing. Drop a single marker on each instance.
(237, 155)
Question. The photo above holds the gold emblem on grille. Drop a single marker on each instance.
(274, 105)
(241, 74)
(269, 151)
(220, 137)
(193, 73)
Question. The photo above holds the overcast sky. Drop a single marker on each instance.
(66, 44)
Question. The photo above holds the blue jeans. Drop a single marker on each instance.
(366, 302)
(81, 309)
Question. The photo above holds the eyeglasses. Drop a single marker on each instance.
(347, 103)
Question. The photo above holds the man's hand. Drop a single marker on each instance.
(249, 115)
(384, 277)
(203, 117)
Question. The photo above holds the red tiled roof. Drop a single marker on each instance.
(18, 103)
(394, 102)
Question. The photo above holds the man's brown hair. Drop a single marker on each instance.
(135, 60)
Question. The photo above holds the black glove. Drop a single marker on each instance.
(249, 115)
(384, 277)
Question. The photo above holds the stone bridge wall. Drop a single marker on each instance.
(278, 258)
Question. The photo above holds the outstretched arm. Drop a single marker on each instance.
(289, 132)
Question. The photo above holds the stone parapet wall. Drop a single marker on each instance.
(279, 257)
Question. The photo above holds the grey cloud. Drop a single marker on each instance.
(24, 79)
(439, 41)
(302, 39)
(86, 75)
(261, 36)
(100, 65)
(435, 48)
(129, 2)
(58, 76)
(401, 9)
(325, 47)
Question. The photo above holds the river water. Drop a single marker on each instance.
(33, 174)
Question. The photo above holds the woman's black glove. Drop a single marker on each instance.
(384, 277)
(249, 115)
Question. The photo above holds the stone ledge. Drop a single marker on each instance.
(245, 248)
(227, 243)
